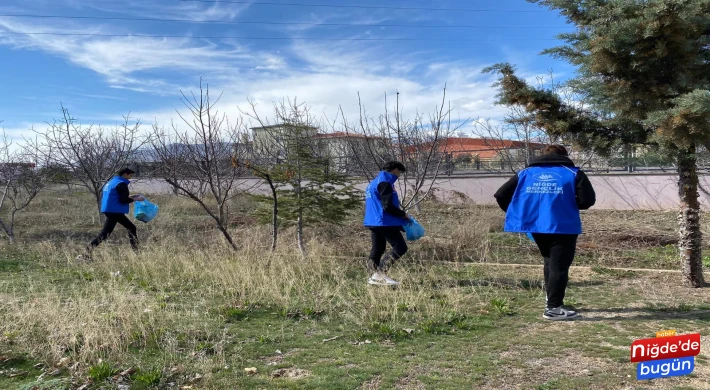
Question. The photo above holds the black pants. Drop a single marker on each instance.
(111, 220)
(558, 251)
(380, 237)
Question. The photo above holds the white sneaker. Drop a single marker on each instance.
(83, 258)
(379, 279)
(559, 314)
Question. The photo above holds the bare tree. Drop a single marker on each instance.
(197, 163)
(20, 183)
(421, 144)
(515, 141)
(92, 154)
(257, 163)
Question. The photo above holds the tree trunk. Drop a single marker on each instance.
(690, 243)
(98, 207)
(227, 236)
(299, 233)
(223, 224)
(274, 217)
(299, 222)
(415, 203)
(9, 230)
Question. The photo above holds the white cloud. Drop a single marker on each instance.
(328, 75)
(193, 11)
(120, 58)
(342, 76)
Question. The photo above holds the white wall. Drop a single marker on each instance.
(614, 192)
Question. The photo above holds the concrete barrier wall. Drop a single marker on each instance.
(614, 192)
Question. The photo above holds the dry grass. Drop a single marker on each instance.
(175, 296)
(123, 300)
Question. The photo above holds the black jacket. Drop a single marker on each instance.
(386, 193)
(584, 190)
(124, 195)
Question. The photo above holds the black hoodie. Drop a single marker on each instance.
(583, 191)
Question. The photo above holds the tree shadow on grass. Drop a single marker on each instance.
(61, 235)
(640, 314)
(505, 283)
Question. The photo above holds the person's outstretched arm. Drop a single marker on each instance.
(586, 197)
(387, 201)
(505, 193)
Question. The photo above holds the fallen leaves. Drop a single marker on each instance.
(125, 373)
(290, 373)
(195, 379)
(63, 362)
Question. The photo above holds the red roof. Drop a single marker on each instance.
(484, 148)
(14, 164)
(341, 134)
(473, 144)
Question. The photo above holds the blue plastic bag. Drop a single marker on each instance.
(145, 211)
(413, 229)
(530, 236)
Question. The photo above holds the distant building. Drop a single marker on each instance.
(349, 151)
(487, 149)
(339, 150)
(18, 165)
(462, 153)
(277, 140)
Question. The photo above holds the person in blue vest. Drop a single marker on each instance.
(544, 200)
(115, 204)
(385, 219)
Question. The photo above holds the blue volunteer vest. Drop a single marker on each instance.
(374, 213)
(109, 197)
(545, 201)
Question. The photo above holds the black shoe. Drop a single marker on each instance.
(559, 314)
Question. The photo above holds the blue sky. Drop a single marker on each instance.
(101, 78)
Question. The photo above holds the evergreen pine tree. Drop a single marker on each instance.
(644, 77)
(309, 192)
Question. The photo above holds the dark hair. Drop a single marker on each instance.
(557, 150)
(392, 165)
(125, 171)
